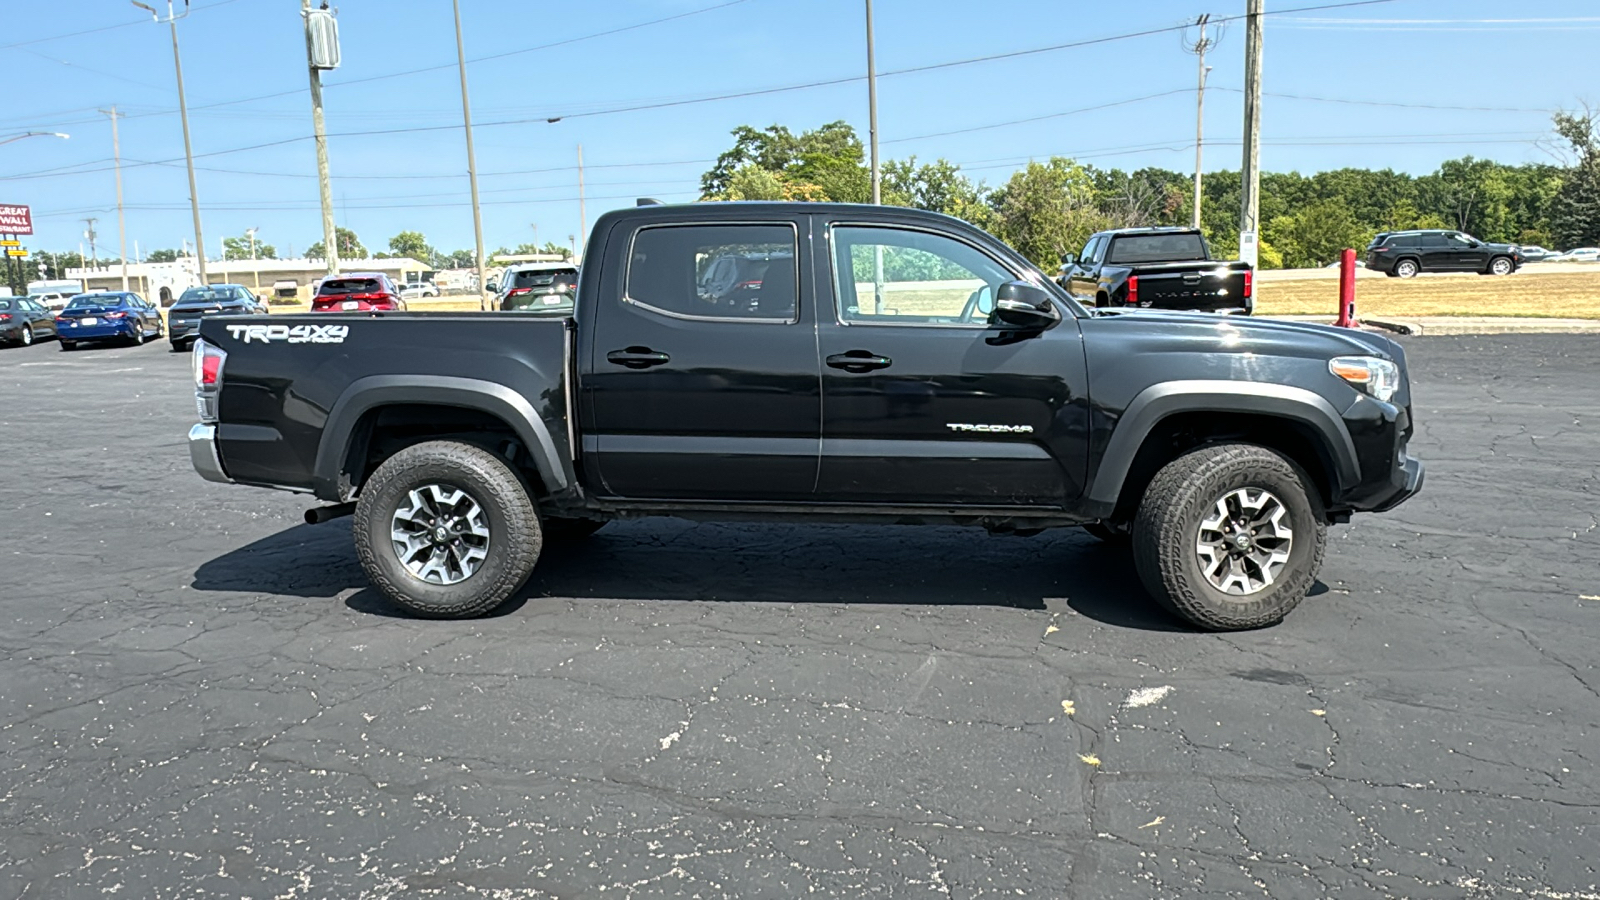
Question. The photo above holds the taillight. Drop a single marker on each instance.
(1249, 281)
(207, 362)
(517, 292)
(1133, 290)
(116, 315)
(5, 317)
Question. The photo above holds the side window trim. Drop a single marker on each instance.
(833, 267)
(627, 277)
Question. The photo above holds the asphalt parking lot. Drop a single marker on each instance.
(199, 696)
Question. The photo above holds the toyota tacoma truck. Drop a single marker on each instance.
(1157, 268)
(817, 363)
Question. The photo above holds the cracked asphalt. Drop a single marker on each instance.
(200, 696)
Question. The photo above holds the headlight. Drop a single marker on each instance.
(1378, 377)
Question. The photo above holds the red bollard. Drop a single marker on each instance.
(1347, 290)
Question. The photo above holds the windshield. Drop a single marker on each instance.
(351, 286)
(88, 301)
(1138, 248)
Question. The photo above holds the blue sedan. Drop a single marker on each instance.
(108, 316)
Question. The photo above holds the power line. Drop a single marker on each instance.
(1069, 112)
(73, 34)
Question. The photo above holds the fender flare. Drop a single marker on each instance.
(1159, 401)
(366, 394)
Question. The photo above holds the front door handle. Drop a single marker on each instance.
(637, 357)
(858, 361)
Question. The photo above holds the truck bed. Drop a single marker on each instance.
(291, 377)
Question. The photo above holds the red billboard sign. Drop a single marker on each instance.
(15, 219)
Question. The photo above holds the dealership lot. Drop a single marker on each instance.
(199, 695)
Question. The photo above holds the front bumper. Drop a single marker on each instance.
(1409, 479)
(203, 454)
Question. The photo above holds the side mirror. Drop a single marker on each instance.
(1022, 305)
(494, 287)
(1069, 259)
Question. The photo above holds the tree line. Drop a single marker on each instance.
(1049, 208)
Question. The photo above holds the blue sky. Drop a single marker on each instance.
(1417, 55)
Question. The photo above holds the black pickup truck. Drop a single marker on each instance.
(1157, 268)
(817, 362)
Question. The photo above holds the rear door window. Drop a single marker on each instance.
(715, 272)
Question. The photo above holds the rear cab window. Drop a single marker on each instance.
(341, 286)
(1140, 248)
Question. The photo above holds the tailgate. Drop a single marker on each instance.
(1203, 286)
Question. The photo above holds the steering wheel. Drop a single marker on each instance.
(974, 310)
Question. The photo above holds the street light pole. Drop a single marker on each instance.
(29, 134)
(122, 222)
(183, 114)
(472, 165)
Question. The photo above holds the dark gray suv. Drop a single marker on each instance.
(1402, 254)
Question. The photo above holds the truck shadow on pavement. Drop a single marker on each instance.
(745, 563)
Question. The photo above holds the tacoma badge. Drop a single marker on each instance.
(1011, 429)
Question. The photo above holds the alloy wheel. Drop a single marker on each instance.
(1244, 543)
(440, 534)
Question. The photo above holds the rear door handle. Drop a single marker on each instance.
(858, 361)
(637, 357)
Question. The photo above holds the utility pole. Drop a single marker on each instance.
(1198, 48)
(122, 223)
(472, 165)
(1250, 182)
(872, 113)
(322, 52)
(583, 215)
(90, 234)
(183, 114)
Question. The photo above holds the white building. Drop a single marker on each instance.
(282, 280)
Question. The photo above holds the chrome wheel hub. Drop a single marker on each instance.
(440, 534)
(1244, 542)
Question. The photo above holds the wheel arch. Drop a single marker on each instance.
(1166, 420)
(343, 460)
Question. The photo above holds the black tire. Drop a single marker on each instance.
(559, 529)
(1500, 265)
(68, 346)
(26, 338)
(515, 537)
(1167, 526)
(1118, 535)
(180, 346)
(1407, 268)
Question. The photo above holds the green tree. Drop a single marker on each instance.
(1575, 209)
(1047, 210)
(1315, 235)
(823, 164)
(411, 244)
(162, 256)
(239, 248)
(350, 246)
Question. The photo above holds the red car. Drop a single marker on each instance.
(358, 292)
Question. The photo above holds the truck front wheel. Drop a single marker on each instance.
(1229, 537)
(446, 530)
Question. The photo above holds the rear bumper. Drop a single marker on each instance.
(98, 332)
(203, 454)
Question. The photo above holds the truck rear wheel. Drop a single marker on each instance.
(446, 530)
(1229, 537)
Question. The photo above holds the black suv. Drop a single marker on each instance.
(1402, 254)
